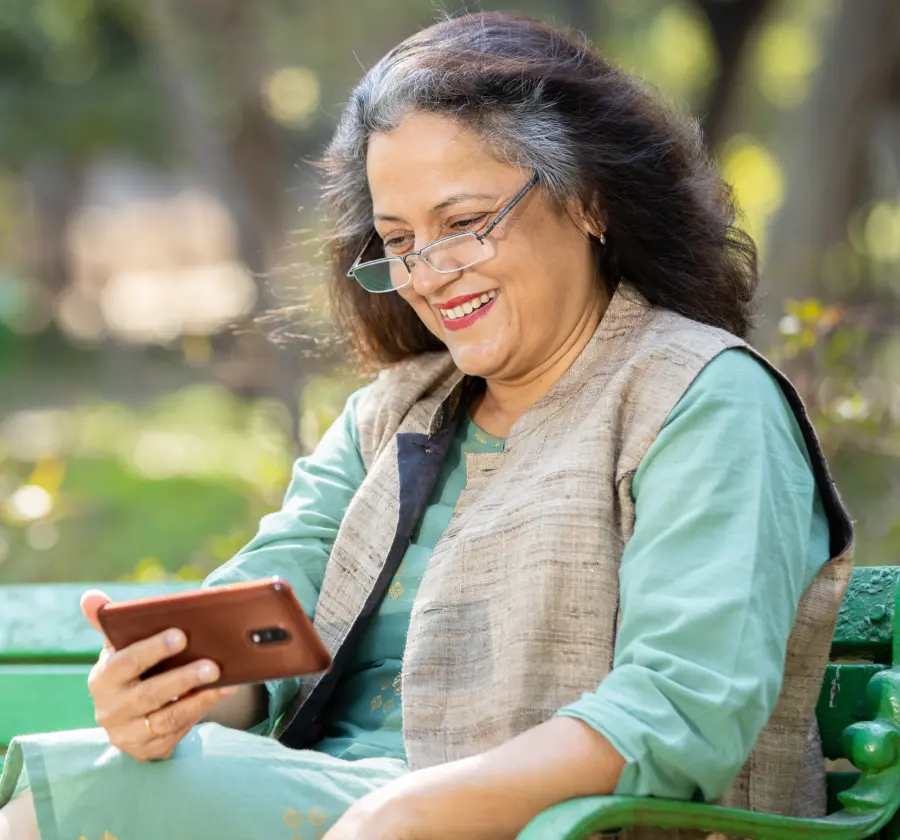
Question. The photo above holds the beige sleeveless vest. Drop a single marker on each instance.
(516, 614)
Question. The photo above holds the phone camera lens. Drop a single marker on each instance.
(268, 635)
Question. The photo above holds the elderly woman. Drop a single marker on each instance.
(576, 538)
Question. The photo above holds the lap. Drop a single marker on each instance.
(220, 783)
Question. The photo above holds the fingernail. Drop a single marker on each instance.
(207, 671)
(229, 690)
(174, 639)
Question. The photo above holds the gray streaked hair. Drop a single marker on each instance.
(524, 131)
(541, 99)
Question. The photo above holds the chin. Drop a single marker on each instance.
(475, 361)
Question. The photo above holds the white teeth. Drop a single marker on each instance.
(468, 307)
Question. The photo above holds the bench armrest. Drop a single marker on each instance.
(873, 747)
(579, 819)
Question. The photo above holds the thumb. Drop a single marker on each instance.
(91, 602)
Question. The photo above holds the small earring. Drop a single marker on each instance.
(602, 238)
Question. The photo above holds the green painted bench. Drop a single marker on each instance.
(47, 649)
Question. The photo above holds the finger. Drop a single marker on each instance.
(126, 665)
(142, 747)
(155, 693)
(182, 714)
(91, 601)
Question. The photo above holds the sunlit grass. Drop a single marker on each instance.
(172, 488)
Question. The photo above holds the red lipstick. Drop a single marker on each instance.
(454, 324)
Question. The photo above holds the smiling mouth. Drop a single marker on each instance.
(468, 307)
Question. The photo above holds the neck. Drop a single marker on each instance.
(505, 400)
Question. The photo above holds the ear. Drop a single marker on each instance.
(590, 220)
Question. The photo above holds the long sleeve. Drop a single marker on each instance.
(295, 542)
(729, 532)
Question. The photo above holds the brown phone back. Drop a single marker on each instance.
(220, 624)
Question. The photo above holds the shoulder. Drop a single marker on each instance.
(736, 387)
(733, 418)
(673, 339)
(662, 353)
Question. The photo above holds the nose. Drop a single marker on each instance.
(425, 280)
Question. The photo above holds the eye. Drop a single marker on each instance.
(394, 243)
(470, 222)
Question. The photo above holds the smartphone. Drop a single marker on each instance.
(253, 631)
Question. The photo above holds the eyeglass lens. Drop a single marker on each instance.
(453, 254)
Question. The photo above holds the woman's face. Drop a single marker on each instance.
(431, 178)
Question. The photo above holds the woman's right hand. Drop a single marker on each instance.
(147, 718)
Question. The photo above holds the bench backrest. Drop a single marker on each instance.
(47, 649)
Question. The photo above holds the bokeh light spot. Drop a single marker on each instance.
(292, 95)
(30, 502)
(881, 233)
(786, 56)
(42, 536)
(758, 182)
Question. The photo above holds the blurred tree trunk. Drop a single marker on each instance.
(55, 194)
(244, 170)
(732, 22)
(256, 148)
(828, 151)
(244, 166)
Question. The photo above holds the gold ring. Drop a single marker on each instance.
(148, 727)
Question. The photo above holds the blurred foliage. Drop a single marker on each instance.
(73, 76)
(171, 488)
(153, 159)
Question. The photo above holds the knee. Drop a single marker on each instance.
(18, 820)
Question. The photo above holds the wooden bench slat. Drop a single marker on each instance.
(43, 698)
(842, 701)
(865, 624)
(43, 622)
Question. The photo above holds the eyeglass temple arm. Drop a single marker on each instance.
(516, 199)
(362, 251)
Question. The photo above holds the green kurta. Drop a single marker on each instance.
(729, 532)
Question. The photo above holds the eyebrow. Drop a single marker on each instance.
(458, 198)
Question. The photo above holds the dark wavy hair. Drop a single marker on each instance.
(543, 100)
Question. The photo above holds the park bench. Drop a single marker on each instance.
(46, 651)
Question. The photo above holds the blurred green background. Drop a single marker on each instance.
(157, 205)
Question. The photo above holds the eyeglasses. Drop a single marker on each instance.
(445, 256)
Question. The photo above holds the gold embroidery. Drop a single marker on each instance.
(396, 590)
(388, 705)
(292, 818)
(317, 817)
(375, 703)
(396, 685)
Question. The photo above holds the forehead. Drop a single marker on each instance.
(428, 157)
